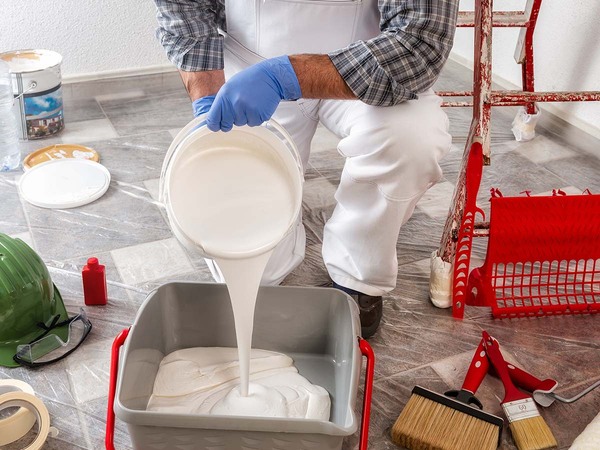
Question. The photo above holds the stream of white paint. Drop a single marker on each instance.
(239, 202)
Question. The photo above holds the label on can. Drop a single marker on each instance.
(520, 409)
(43, 113)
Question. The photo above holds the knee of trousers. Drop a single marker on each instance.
(400, 154)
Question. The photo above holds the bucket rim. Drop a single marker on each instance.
(52, 53)
(196, 130)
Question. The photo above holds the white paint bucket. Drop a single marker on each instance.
(244, 234)
(37, 89)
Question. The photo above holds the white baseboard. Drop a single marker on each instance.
(549, 108)
(119, 73)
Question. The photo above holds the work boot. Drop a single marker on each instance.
(371, 310)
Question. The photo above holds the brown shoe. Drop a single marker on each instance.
(371, 310)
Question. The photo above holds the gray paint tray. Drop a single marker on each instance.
(317, 327)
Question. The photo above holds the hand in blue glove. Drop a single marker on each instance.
(203, 104)
(252, 95)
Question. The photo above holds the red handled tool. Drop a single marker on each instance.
(512, 395)
(424, 422)
(528, 428)
(541, 389)
(475, 375)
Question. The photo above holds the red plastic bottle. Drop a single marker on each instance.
(94, 283)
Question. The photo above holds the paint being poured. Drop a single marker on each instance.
(243, 202)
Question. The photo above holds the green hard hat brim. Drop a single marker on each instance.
(9, 350)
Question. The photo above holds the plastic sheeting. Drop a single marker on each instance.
(417, 343)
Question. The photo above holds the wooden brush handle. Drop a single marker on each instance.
(511, 393)
(477, 370)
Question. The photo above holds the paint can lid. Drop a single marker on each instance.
(59, 151)
(64, 183)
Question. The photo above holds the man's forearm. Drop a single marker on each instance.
(319, 78)
(201, 84)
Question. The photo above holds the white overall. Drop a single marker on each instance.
(392, 153)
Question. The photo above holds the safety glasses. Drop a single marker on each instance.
(49, 348)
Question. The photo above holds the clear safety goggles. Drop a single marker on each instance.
(49, 348)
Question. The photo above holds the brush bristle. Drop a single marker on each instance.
(428, 425)
(532, 434)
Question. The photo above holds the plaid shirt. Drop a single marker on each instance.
(405, 59)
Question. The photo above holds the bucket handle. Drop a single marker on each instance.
(112, 389)
(200, 121)
(32, 85)
(367, 351)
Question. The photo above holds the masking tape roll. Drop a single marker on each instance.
(18, 425)
(35, 406)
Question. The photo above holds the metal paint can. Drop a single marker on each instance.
(37, 89)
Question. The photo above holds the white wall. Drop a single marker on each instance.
(94, 36)
(566, 50)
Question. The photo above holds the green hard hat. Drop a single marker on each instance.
(29, 301)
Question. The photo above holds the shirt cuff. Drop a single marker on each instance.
(192, 55)
(363, 74)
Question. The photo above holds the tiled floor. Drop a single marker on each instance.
(131, 122)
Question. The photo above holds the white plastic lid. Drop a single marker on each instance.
(64, 183)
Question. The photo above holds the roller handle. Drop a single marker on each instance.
(367, 351)
(528, 382)
(511, 393)
(112, 389)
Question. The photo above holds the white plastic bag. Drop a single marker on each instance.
(523, 127)
(440, 283)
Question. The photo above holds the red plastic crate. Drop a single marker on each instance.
(543, 257)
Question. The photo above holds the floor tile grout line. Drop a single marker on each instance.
(101, 108)
(131, 135)
(107, 118)
(127, 101)
(80, 415)
(137, 285)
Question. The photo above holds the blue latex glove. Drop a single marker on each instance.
(203, 104)
(252, 95)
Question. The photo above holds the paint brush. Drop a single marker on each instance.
(528, 427)
(432, 421)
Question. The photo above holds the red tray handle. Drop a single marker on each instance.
(112, 389)
(367, 351)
